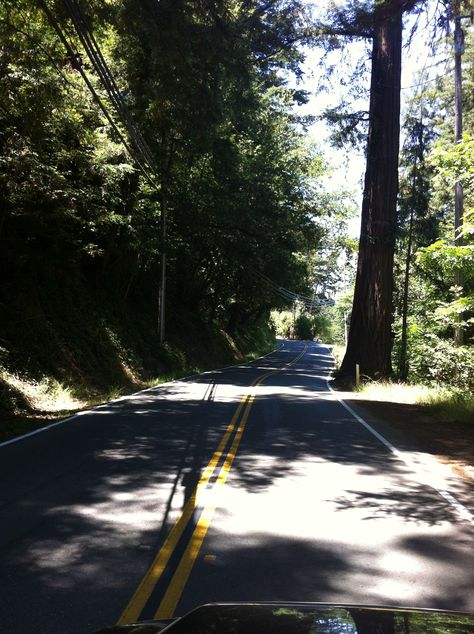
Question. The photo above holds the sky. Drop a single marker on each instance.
(349, 165)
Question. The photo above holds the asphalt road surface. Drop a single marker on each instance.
(252, 483)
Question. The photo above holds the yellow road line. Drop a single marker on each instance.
(149, 581)
(178, 582)
(153, 574)
(180, 577)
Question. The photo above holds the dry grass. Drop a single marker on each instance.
(395, 392)
(47, 395)
(448, 404)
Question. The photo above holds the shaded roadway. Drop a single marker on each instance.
(315, 507)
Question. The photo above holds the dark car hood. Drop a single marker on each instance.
(305, 618)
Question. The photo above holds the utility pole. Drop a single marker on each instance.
(458, 52)
(167, 154)
(458, 192)
(346, 327)
(162, 290)
(294, 320)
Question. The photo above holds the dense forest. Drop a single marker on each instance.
(160, 196)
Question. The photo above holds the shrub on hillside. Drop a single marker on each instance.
(439, 361)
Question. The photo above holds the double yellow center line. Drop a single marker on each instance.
(176, 586)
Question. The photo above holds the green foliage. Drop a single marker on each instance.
(336, 317)
(439, 361)
(441, 262)
(437, 307)
(323, 326)
(206, 84)
(237, 169)
(282, 323)
(450, 404)
(257, 339)
(441, 283)
(455, 163)
(306, 325)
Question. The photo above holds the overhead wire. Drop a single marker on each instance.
(137, 144)
(143, 161)
(100, 65)
(427, 81)
(308, 302)
(96, 57)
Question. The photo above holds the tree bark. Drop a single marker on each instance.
(370, 336)
(403, 358)
(458, 191)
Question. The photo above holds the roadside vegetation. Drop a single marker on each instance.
(212, 92)
(444, 404)
(67, 367)
(433, 320)
(81, 242)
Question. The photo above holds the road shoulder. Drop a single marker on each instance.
(410, 427)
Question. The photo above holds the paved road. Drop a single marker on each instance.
(249, 483)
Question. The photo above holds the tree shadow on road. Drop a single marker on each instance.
(270, 567)
(104, 494)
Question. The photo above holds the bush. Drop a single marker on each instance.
(439, 361)
(450, 404)
(304, 327)
(281, 322)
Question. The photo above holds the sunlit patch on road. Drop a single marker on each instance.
(239, 485)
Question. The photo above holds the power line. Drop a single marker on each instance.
(138, 149)
(308, 302)
(100, 65)
(143, 162)
(427, 81)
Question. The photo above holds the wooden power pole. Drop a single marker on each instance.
(458, 192)
(458, 52)
(162, 289)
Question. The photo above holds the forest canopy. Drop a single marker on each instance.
(184, 111)
(119, 115)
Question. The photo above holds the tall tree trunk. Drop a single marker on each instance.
(403, 358)
(458, 192)
(370, 337)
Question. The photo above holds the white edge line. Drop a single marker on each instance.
(449, 497)
(40, 430)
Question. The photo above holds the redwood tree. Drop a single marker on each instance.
(370, 337)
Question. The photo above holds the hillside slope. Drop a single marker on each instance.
(66, 349)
